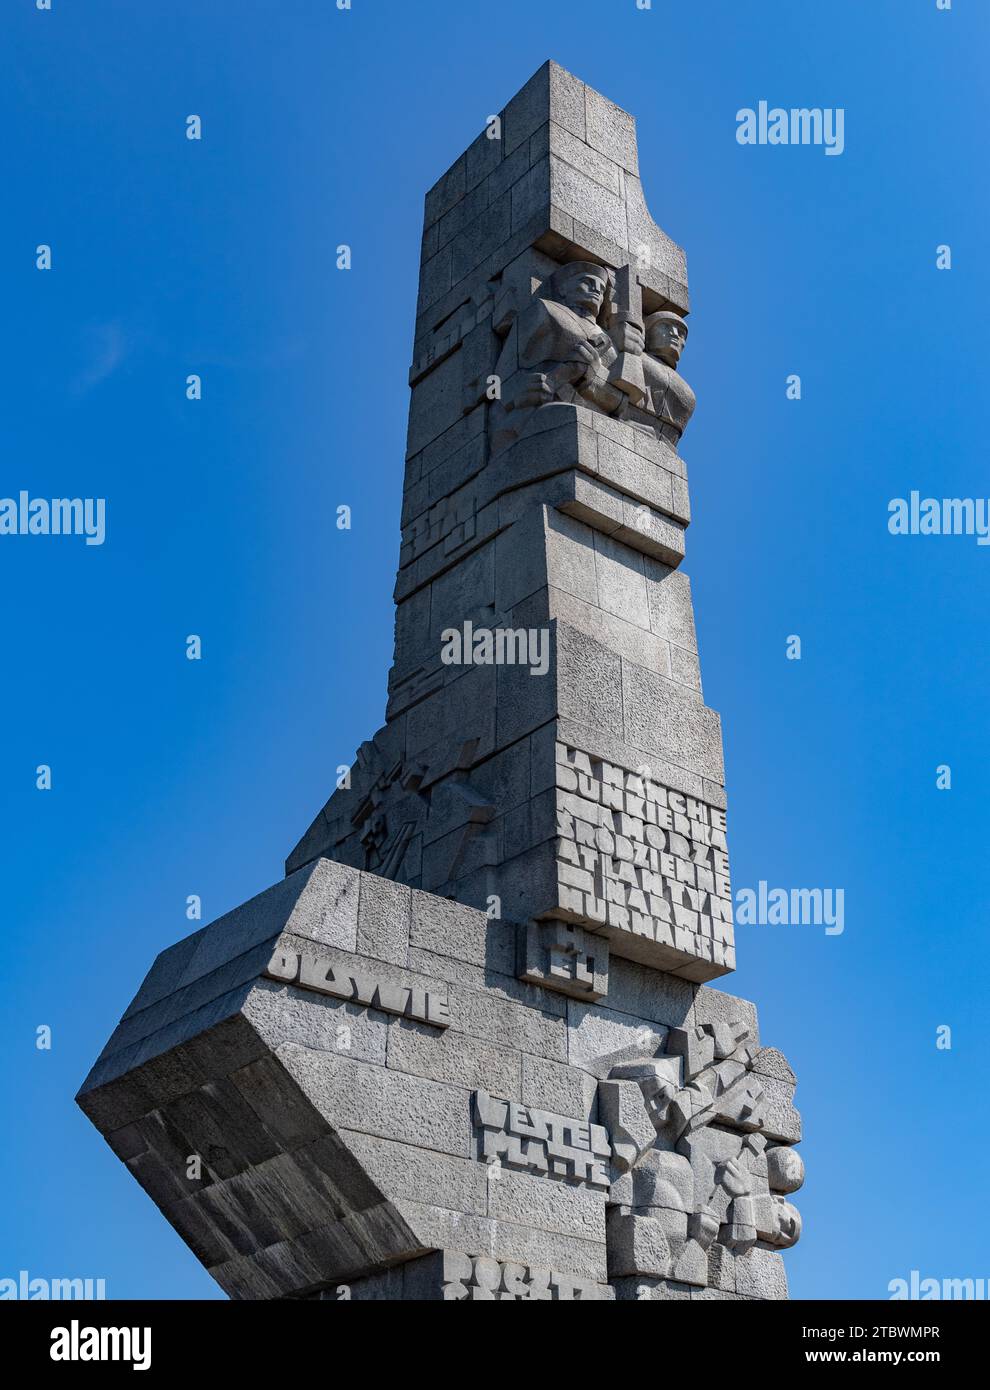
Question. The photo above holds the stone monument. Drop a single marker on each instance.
(467, 1048)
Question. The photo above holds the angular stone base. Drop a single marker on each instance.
(295, 1087)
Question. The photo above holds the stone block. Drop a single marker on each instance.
(599, 1037)
(552, 93)
(435, 281)
(473, 246)
(570, 562)
(524, 701)
(514, 1024)
(649, 994)
(721, 1269)
(660, 716)
(447, 191)
(453, 1057)
(684, 668)
(421, 1173)
(481, 158)
(611, 131)
(586, 201)
(379, 1101)
(430, 964)
(585, 158)
(555, 1086)
(589, 679)
(621, 581)
(447, 928)
(718, 1006)
(761, 1274)
(627, 642)
(549, 1249)
(769, 1061)
(564, 958)
(780, 1119)
(520, 560)
(166, 974)
(633, 476)
(510, 170)
(546, 1205)
(383, 919)
(285, 1015)
(637, 1246)
(529, 197)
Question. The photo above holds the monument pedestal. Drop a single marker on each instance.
(297, 1087)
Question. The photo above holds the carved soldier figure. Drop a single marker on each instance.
(698, 1171)
(558, 350)
(669, 399)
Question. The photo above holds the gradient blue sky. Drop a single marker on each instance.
(173, 777)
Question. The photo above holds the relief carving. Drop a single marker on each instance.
(583, 340)
(698, 1166)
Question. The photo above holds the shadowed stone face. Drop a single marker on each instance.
(582, 288)
(666, 337)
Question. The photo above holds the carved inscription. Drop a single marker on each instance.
(564, 957)
(636, 859)
(318, 973)
(537, 1141)
(448, 521)
(479, 1278)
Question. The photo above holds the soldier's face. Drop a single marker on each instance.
(788, 1223)
(667, 342)
(586, 292)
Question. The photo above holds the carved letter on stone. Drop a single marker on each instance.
(322, 976)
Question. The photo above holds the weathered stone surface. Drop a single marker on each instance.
(597, 1036)
(761, 1274)
(547, 1205)
(553, 1086)
(326, 1025)
(457, 1058)
(384, 919)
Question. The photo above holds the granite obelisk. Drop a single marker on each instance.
(466, 1049)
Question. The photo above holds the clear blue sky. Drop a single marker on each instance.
(173, 777)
